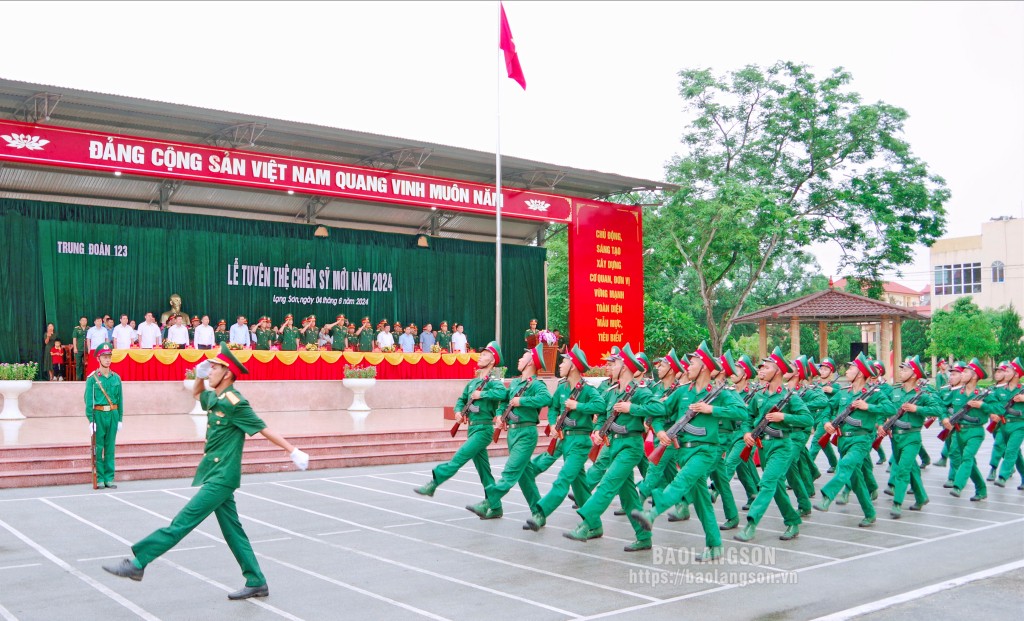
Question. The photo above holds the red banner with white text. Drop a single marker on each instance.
(606, 278)
(77, 148)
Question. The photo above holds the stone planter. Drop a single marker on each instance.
(12, 390)
(595, 381)
(358, 386)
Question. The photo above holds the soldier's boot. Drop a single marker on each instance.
(948, 484)
(991, 474)
(645, 517)
(792, 532)
(890, 490)
(823, 504)
(940, 462)
(710, 554)
(1000, 482)
(843, 496)
(917, 506)
(730, 524)
(747, 533)
(638, 545)
(428, 489)
(896, 512)
(680, 513)
(582, 532)
(867, 521)
(535, 522)
(955, 492)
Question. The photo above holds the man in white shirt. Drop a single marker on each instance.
(239, 333)
(459, 340)
(177, 333)
(384, 338)
(204, 338)
(149, 333)
(123, 334)
(96, 336)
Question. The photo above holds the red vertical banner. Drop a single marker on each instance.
(606, 277)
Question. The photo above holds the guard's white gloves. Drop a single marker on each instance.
(119, 425)
(300, 459)
(203, 369)
(92, 428)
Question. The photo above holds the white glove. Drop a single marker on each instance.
(300, 459)
(119, 425)
(203, 369)
(92, 428)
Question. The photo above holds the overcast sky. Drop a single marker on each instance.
(601, 75)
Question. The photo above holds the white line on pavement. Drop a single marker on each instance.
(919, 593)
(20, 566)
(6, 615)
(106, 558)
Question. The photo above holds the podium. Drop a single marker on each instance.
(531, 341)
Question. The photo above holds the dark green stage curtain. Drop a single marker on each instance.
(193, 255)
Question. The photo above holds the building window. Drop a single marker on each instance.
(958, 279)
(997, 272)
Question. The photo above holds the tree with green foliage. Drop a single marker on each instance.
(778, 160)
(914, 337)
(961, 332)
(558, 281)
(1009, 334)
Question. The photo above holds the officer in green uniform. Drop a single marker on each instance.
(728, 431)
(366, 336)
(477, 406)
(310, 333)
(397, 332)
(786, 413)
(886, 390)
(1002, 393)
(906, 434)
(573, 440)
(338, 332)
(531, 331)
(221, 334)
(196, 319)
(352, 340)
(828, 386)
(967, 439)
(670, 369)
(941, 375)
(858, 432)
(629, 403)
(104, 407)
(289, 335)
(527, 395)
(230, 418)
(745, 471)
(1010, 416)
(699, 447)
(956, 379)
(79, 347)
(444, 337)
(265, 334)
(799, 476)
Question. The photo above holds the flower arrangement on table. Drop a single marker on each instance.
(498, 372)
(366, 372)
(312, 347)
(435, 349)
(598, 371)
(18, 371)
(547, 337)
(235, 346)
(190, 374)
(390, 349)
(169, 344)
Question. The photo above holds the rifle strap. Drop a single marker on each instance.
(96, 376)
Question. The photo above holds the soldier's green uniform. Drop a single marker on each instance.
(968, 438)
(339, 334)
(778, 453)
(858, 432)
(288, 337)
(352, 341)
(78, 336)
(1013, 427)
(481, 429)
(312, 334)
(221, 336)
(366, 338)
(660, 474)
(906, 443)
(802, 474)
(574, 448)
(444, 340)
(745, 471)
(106, 415)
(1002, 394)
(264, 338)
(522, 441)
(822, 415)
(229, 419)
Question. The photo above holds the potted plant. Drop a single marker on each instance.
(359, 380)
(15, 379)
(549, 342)
(595, 376)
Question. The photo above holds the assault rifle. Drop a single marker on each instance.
(1002, 418)
(754, 389)
(759, 430)
(606, 428)
(677, 428)
(839, 420)
(562, 416)
(955, 419)
(508, 410)
(464, 412)
(891, 421)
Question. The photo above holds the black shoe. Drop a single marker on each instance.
(247, 592)
(619, 512)
(831, 469)
(110, 486)
(126, 569)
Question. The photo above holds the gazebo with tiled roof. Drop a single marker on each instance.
(833, 306)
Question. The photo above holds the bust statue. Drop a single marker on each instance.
(175, 310)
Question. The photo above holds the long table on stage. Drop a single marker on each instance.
(171, 364)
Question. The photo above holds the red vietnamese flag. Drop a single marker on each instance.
(515, 71)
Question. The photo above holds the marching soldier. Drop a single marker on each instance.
(476, 407)
(219, 474)
(698, 447)
(955, 379)
(728, 431)
(906, 435)
(828, 386)
(745, 471)
(779, 449)
(799, 475)
(104, 407)
(1011, 400)
(670, 370)
(858, 431)
(629, 403)
(573, 440)
(527, 395)
(969, 434)
(1002, 393)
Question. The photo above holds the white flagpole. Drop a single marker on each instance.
(497, 234)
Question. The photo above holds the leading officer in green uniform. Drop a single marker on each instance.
(79, 346)
(230, 418)
(104, 409)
